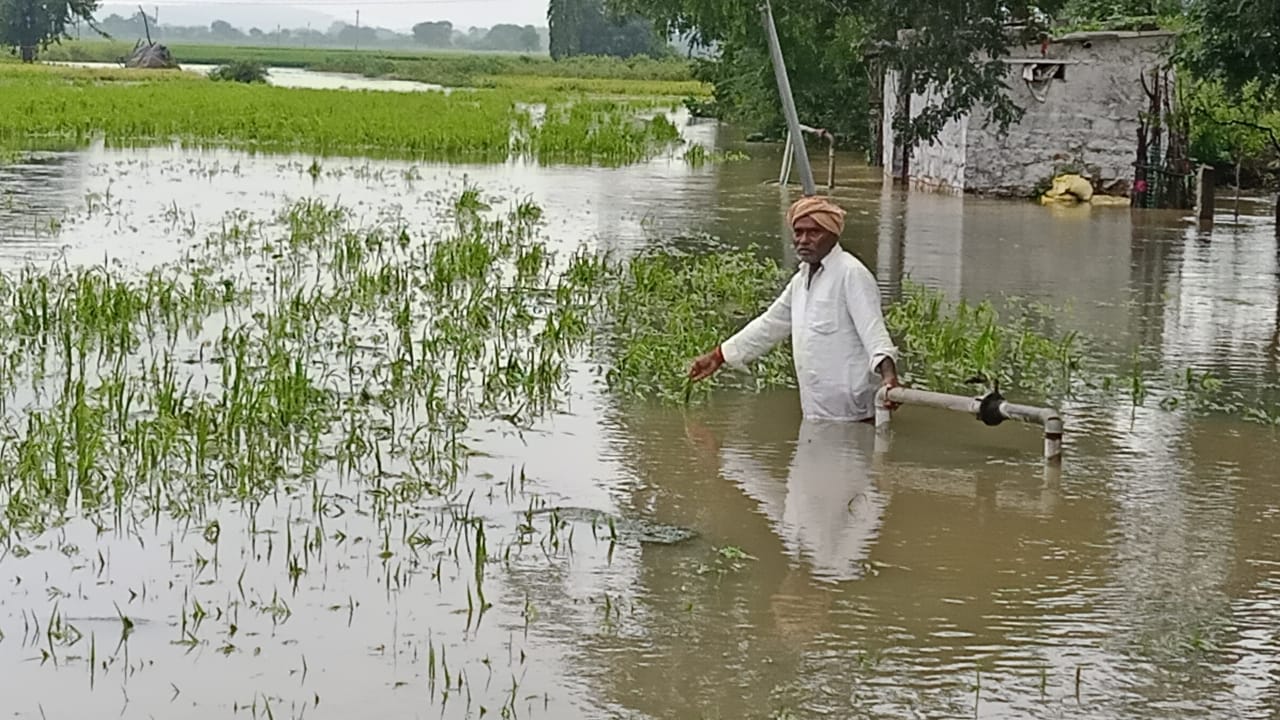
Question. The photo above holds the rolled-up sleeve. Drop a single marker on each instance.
(762, 333)
(862, 297)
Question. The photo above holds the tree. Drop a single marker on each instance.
(530, 40)
(357, 36)
(583, 27)
(223, 30)
(564, 21)
(434, 34)
(30, 25)
(954, 49)
(956, 54)
(1237, 43)
(1099, 11)
(511, 37)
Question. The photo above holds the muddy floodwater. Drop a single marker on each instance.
(943, 572)
(300, 78)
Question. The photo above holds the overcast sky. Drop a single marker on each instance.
(394, 14)
(465, 13)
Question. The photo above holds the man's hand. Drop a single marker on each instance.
(706, 366)
(888, 380)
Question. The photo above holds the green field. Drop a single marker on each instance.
(40, 104)
(452, 69)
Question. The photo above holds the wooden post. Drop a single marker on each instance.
(831, 162)
(1237, 190)
(1204, 194)
(1278, 217)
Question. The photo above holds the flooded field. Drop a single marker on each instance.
(300, 78)
(419, 551)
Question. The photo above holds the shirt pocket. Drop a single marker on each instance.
(823, 317)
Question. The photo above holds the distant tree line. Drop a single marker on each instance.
(589, 27)
(28, 26)
(441, 34)
(502, 37)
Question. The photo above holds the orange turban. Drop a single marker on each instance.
(827, 214)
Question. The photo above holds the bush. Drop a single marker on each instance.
(244, 71)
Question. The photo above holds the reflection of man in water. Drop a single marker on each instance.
(831, 310)
(827, 509)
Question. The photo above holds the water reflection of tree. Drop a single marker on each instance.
(892, 237)
(1153, 260)
(1272, 377)
(1238, 460)
(1193, 493)
(1179, 486)
(40, 186)
(1273, 346)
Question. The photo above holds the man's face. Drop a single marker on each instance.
(812, 241)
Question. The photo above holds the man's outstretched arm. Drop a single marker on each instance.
(751, 342)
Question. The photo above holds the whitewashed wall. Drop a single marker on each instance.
(1088, 119)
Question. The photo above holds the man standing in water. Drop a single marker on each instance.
(831, 309)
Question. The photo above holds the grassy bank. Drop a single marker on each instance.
(12, 72)
(43, 104)
(451, 69)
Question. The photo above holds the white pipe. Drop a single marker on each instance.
(1047, 418)
(788, 156)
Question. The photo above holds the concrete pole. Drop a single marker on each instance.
(788, 102)
(1204, 194)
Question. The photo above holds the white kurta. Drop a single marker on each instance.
(838, 337)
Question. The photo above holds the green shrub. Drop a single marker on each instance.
(244, 71)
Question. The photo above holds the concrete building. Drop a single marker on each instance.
(1083, 97)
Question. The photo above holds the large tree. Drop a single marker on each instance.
(28, 26)
(953, 48)
(564, 21)
(587, 27)
(1236, 42)
(1089, 12)
(434, 34)
(513, 38)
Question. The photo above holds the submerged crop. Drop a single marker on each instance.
(269, 356)
(453, 68)
(285, 352)
(60, 105)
